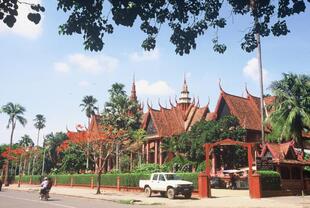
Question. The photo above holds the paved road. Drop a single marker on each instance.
(21, 199)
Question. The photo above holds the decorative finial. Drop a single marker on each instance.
(220, 86)
(172, 106)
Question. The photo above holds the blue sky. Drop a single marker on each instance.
(49, 74)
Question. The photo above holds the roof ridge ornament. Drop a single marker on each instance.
(148, 104)
(172, 106)
(220, 86)
(160, 106)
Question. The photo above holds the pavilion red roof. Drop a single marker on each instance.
(245, 109)
(280, 153)
(175, 120)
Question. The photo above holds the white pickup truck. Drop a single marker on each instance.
(166, 184)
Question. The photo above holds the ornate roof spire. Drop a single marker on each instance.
(133, 95)
(184, 98)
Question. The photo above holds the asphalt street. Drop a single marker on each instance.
(21, 199)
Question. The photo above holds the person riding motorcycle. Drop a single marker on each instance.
(46, 186)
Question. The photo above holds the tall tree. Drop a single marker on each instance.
(39, 124)
(15, 113)
(121, 113)
(89, 106)
(52, 142)
(27, 143)
(291, 109)
(102, 143)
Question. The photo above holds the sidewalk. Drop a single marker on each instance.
(223, 198)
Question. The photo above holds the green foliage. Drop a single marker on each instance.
(126, 179)
(52, 142)
(39, 121)
(291, 109)
(270, 180)
(35, 179)
(25, 141)
(125, 163)
(9, 10)
(201, 167)
(150, 168)
(73, 159)
(192, 177)
(116, 111)
(187, 20)
(89, 105)
(191, 144)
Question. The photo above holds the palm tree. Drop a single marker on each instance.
(15, 113)
(26, 142)
(39, 124)
(291, 107)
(88, 105)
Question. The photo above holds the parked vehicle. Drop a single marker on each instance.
(167, 184)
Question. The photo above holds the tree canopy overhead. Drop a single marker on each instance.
(187, 19)
(9, 11)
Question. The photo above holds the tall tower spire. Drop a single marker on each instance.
(184, 99)
(133, 95)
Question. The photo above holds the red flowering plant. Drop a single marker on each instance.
(101, 141)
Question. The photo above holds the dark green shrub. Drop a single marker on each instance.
(270, 180)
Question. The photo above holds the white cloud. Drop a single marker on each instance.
(145, 56)
(251, 70)
(89, 64)
(61, 67)
(94, 64)
(158, 88)
(84, 84)
(23, 27)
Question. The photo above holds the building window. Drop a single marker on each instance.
(285, 172)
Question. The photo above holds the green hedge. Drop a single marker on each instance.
(270, 180)
(25, 179)
(126, 179)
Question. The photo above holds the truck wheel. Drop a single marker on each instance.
(163, 193)
(188, 195)
(171, 193)
(148, 191)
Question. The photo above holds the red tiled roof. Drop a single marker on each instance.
(211, 116)
(279, 151)
(245, 109)
(176, 120)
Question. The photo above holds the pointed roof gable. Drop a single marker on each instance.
(245, 109)
(282, 151)
(174, 120)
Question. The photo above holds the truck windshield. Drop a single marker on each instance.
(172, 177)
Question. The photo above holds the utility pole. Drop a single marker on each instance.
(260, 67)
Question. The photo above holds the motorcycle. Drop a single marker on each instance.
(44, 194)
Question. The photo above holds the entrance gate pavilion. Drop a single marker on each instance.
(204, 178)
